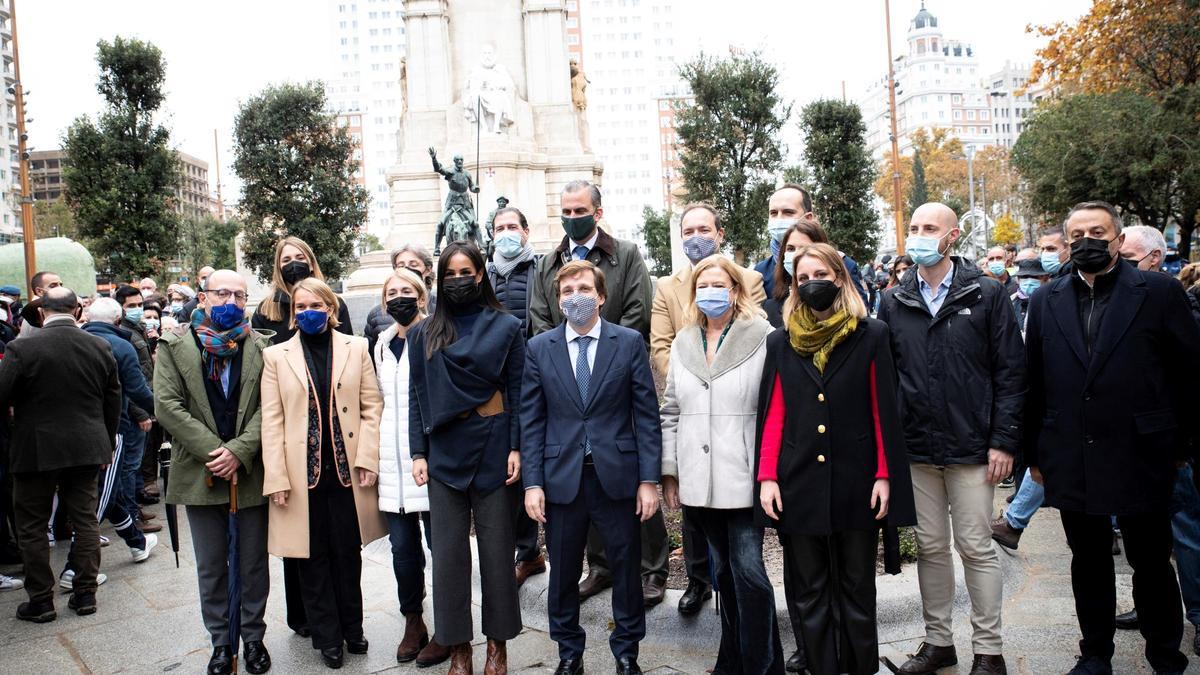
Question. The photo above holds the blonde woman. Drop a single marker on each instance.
(320, 431)
(832, 466)
(405, 505)
(708, 428)
(294, 261)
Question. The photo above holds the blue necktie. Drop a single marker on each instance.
(580, 252)
(583, 377)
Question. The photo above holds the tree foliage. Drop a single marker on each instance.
(1150, 46)
(729, 142)
(835, 152)
(1007, 231)
(120, 171)
(54, 219)
(944, 163)
(656, 232)
(918, 193)
(208, 241)
(297, 168)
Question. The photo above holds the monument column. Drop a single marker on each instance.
(428, 52)
(546, 65)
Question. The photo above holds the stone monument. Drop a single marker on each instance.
(458, 222)
(491, 75)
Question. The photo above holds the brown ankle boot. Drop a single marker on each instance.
(416, 636)
(497, 658)
(433, 654)
(460, 659)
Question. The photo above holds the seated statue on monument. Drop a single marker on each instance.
(458, 219)
(489, 91)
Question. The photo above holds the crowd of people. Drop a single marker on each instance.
(488, 399)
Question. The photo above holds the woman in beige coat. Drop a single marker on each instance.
(320, 410)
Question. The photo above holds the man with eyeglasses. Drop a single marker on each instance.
(206, 391)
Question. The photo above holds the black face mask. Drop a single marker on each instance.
(580, 228)
(818, 294)
(1090, 255)
(460, 291)
(295, 271)
(402, 309)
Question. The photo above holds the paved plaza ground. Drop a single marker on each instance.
(149, 620)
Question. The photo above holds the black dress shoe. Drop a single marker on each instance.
(627, 665)
(332, 656)
(37, 612)
(796, 663)
(357, 645)
(929, 659)
(569, 667)
(693, 598)
(221, 662)
(1128, 620)
(256, 657)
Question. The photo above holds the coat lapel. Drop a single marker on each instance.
(562, 364)
(341, 354)
(192, 364)
(294, 355)
(605, 348)
(251, 372)
(842, 351)
(1123, 306)
(1064, 307)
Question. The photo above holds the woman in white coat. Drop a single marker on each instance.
(405, 504)
(708, 425)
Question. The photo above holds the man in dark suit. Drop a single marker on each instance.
(591, 450)
(66, 397)
(1112, 352)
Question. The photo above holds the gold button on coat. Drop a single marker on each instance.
(821, 398)
(821, 459)
(820, 428)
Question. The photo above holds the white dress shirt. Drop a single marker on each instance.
(573, 345)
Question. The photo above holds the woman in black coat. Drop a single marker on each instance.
(465, 365)
(832, 468)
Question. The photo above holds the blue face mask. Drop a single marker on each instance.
(134, 314)
(1029, 285)
(508, 244)
(1050, 262)
(697, 248)
(224, 317)
(714, 302)
(789, 263)
(923, 250)
(996, 267)
(311, 321)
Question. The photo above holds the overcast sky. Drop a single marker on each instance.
(220, 52)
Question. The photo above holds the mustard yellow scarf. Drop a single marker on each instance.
(810, 337)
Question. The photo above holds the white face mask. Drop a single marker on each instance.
(776, 227)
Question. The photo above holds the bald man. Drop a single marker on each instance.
(996, 263)
(206, 390)
(191, 305)
(958, 351)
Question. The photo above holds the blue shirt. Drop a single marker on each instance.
(934, 297)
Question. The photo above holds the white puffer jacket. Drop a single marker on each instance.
(398, 492)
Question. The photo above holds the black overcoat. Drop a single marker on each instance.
(1107, 428)
(831, 432)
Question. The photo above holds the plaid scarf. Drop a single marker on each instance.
(219, 346)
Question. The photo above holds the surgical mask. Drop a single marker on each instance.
(714, 302)
(579, 309)
(776, 227)
(224, 317)
(996, 267)
(176, 307)
(460, 291)
(924, 250)
(151, 324)
(818, 294)
(133, 314)
(789, 263)
(310, 321)
(580, 228)
(1051, 262)
(402, 309)
(1090, 255)
(295, 271)
(1029, 285)
(699, 247)
(508, 244)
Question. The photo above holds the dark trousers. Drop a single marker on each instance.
(209, 526)
(297, 618)
(790, 595)
(525, 529)
(835, 578)
(34, 499)
(695, 551)
(452, 513)
(1155, 591)
(154, 441)
(331, 576)
(408, 558)
(749, 627)
(567, 527)
(655, 555)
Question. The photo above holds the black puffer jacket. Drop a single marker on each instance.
(513, 291)
(962, 372)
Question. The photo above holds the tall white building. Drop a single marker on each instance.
(364, 86)
(629, 55)
(10, 183)
(1012, 101)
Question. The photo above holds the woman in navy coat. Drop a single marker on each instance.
(832, 468)
(465, 380)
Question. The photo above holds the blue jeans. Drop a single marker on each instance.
(1028, 500)
(408, 558)
(131, 466)
(1185, 525)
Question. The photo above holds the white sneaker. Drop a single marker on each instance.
(141, 554)
(8, 583)
(67, 580)
(103, 541)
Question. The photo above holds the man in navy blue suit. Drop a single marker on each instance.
(591, 452)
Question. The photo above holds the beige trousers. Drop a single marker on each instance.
(961, 490)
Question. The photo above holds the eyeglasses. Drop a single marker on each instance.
(224, 293)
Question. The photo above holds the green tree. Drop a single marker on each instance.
(222, 243)
(656, 232)
(120, 171)
(918, 194)
(843, 173)
(368, 242)
(208, 241)
(297, 169)
(729, 142)
(797, 174)
(54, 219)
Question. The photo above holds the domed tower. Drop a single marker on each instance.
(924, 36)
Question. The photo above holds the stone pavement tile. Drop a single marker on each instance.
(47, 654)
